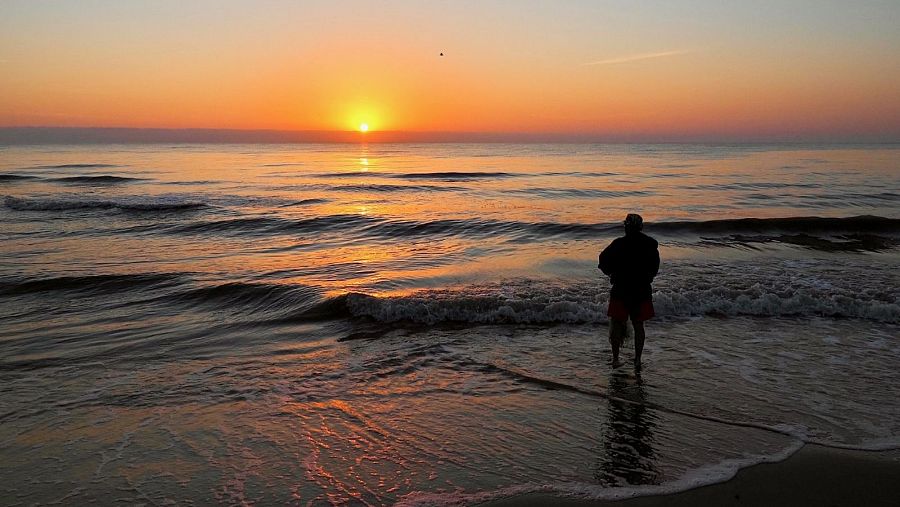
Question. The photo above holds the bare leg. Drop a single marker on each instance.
(638, 343)
(616, 337)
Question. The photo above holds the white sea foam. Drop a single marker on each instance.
(891, 443)
(683, 290)
(705, 475)
(692, 479)
(548, 305)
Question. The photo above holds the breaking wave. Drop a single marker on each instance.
(683, 293)
(548, 304)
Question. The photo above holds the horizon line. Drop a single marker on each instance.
(20, 135)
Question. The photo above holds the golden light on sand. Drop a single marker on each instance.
(363, 127)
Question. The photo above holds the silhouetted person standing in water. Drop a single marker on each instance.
(631, 262)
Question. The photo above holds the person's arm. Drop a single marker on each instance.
(606, 261)
(654, 263)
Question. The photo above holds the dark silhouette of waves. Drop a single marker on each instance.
(863, 223)
(87, 284)
(76, 166)
(375, 227)
(828, 234)
(100, 179)
(254, 302)
(428, 176)
(16, 177)
(863, 233)
(104, 179)
(455, 175)
(68, 204)
(268, 225)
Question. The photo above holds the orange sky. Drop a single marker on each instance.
(607, 68)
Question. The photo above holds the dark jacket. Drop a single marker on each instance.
(631, 262)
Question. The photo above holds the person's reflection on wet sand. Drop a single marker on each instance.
(627, 455)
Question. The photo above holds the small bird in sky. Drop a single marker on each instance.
(442, 54)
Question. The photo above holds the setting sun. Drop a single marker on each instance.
(363, 127)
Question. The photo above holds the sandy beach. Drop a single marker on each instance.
(814, 476)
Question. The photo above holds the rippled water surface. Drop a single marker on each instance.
(425, 324)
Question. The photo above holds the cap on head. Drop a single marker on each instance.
(634, 222)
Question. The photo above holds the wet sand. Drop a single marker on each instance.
(814, 476)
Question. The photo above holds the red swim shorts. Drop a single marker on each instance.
(639, 312)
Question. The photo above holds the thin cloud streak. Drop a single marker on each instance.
(642, 56)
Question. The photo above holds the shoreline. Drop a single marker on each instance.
(813, 476)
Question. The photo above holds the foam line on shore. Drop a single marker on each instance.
(698, 477)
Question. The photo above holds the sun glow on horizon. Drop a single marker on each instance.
(660, 72)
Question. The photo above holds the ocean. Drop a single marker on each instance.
(425, 324)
